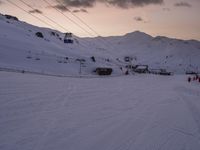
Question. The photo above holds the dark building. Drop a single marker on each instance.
(160, 72)
(104, 71)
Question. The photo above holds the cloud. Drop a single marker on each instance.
(79, 3)
(36, 11)
(60, 7)
(117, 3)
(166, 9)
(183, 4)
(139, 19)
(1, 2)
(80, 10)
(132, 3)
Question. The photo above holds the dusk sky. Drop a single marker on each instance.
(172, 18)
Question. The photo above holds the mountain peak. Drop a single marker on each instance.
(138, 34)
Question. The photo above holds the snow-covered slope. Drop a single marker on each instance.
(141, 112)
(158, 52)
(21, 48)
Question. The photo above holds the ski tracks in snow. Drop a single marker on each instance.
(122, 113)
(191, 98)
(61, 102)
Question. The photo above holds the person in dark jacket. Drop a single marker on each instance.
(189, 79)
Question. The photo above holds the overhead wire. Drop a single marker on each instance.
(67, 17)
(54, 21)
(64, 16)
(19, 7)
(106, 43)
(50, 5)
(14, 4)
(81, 20)
(45, 16)
(66, 30)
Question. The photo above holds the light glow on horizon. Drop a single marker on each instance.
(167, 19)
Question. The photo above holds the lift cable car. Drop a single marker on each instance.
(68, 38)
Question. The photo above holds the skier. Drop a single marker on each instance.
(126, 73)
(189, 79)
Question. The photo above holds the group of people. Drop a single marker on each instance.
(194, 78)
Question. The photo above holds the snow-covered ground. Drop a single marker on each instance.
(141, 112)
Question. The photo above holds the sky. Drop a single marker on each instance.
(172, 18)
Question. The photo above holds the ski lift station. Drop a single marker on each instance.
(68, 38)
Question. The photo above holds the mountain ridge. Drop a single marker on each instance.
(175, 55)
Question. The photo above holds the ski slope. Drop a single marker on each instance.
(123, 113)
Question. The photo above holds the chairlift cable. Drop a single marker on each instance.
(41, 19)
(68, 17)
(45, 16)
(14, 4)
(83, 22)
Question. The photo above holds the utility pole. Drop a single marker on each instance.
(81, 61)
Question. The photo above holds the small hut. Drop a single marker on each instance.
(160, 72)
(103, 71)
(141, 69)
(191, 73)
(164, 72)
(155, 71)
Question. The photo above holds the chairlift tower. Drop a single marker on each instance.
(81, 61)
(68, 38)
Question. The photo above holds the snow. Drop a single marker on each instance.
(142, 67)
(18, 41)
(118, 113)
(21, 49)
(46, 104)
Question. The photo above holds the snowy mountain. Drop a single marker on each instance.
(158, 52)
(22, 48)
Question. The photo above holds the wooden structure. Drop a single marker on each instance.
(103, 71)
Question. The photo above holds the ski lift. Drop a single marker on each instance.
(68, 38)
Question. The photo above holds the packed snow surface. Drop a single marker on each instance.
(141, 112)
